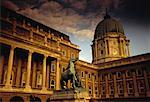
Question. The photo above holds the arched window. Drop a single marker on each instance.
(90, 90)
(52, 84)
(82, 74)
(16, 99)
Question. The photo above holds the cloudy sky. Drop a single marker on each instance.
(79, 18)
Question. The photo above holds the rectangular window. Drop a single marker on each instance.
(52, 67)
(72, 55)
(89, 75)
(139, 72)
(63, 52)
(82, 74)
(118, 75)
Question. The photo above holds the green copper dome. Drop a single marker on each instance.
(108, 25)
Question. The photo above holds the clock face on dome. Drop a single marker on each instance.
(115, 52)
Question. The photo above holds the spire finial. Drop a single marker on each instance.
(107, 15)
(106, 11)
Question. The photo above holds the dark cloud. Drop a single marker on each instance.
(75, 16)
(78, 18)
(136, 11)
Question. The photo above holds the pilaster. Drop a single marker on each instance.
(146, 83)
(115, 86)
(86, 80)
(107, 87)
(124, 85)
(135, 85)
(93, 84)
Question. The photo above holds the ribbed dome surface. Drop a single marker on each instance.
(108, 25)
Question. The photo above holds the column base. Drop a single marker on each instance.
(44, 89)
(148, 93)
(8, 86)
(116, 95)
(126, 94)
(136, 94)
(107, 95)
(27, 88)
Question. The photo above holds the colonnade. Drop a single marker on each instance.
(28, 70)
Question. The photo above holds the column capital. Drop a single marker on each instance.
(45, 55)
(13, 47)
(58, 59)
(30, 51)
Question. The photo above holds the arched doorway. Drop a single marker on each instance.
(34, 99)
(16, 99)
(48, 100)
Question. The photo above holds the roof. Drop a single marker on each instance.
(108, 24)
(19, 17)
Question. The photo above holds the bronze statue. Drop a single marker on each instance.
(70, 74)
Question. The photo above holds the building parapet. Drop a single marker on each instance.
(125, 61)
(87, 64)
(27, 28)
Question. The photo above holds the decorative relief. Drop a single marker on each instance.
(38, 38)
(6, 26)
(22, 32)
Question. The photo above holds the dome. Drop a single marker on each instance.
(108, 25)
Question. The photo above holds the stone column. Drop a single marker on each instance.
(135, 85)
(18, 78)
(57, 74)
(95, 50)
(146, 83)
(120, 44)
(107, 87)
(9, 69)
(34, 74)
(124, 48)
(106, 50)
(44, 73)
(1, 67)
(124, 85)
(93, 84)
(47, 76)
(27, 85)
(115, 86)
(99, 85)
(128, 48)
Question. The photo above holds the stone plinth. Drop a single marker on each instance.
(70, 95)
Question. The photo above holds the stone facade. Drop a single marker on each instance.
(33, 56)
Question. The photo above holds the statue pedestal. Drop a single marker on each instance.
(70, 95)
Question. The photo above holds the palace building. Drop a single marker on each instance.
(33, 56)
